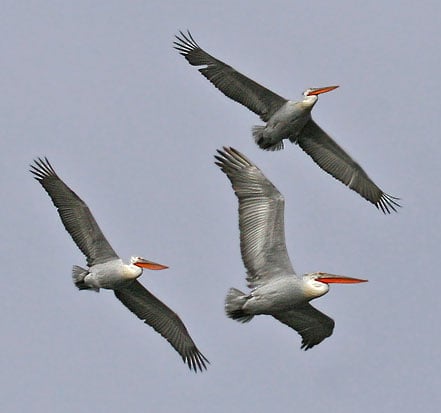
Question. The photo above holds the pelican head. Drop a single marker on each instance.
(143, 263)
(315, 91)
(317, 284)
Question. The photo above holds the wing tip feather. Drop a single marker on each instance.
(230, 159)
(388, 203)
(196, 361)
(42, 168)
(185, 43)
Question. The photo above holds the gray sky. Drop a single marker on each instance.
(132, 128)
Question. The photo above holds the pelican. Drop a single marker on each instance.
(286, 119)
(276, 289)
(107, 270)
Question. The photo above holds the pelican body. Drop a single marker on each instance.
(107, 270)
(286, 119)
(112, 274)
(276, 289)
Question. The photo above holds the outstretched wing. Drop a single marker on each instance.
(334, 160)
(229, 81)
(261, 219)
(75, 215)
(310, 323)
(165, 321)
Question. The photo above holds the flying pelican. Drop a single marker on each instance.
(276, 289)
(107, 270)
(286, 119)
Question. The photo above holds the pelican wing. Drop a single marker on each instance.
(75, 215)
(261, 219)
(334, 160)
(310, 323)
(166, 322)
(229, 81)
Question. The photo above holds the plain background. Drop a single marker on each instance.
(132, 128)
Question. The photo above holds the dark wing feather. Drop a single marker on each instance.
(261, 219)
(165, 321)
(75, 215)
(229, 81)
(334, 160)
(310, 323)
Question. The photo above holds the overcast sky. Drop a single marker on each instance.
(132, 128)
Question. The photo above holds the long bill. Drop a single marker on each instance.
(341, 279)
(319, 90)
(150, 265)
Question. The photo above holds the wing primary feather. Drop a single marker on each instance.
(74, 213)
(261, 218)
(312, 325)
(387, 203)
(185, 43)
(163, 320)
(228, 80)
(326, 153)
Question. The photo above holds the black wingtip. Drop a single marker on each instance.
(196, 362)
(306, 346)
(42, 168)
(185, 43)
(388, 203)
(230, 159)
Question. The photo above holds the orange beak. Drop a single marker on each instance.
(319, 90)
(150, 265)
(341, 279)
